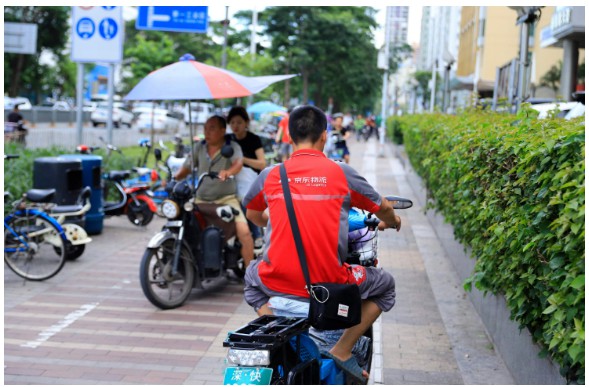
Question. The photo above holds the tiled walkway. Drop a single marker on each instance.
(91, 323)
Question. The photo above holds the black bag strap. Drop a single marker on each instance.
(294, 225)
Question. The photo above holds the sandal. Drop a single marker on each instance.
(350, 367)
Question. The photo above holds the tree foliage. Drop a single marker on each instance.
(24, 73)
(332, 49)
(552, 77)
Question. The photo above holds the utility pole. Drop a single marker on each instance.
(224, 53)
(253, 46)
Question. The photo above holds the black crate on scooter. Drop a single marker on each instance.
(291, 362)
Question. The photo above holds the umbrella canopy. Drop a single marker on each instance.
(265, 107)
(189, 80)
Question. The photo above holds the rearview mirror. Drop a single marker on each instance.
(158, 154)
(227, 151)
(400, 203)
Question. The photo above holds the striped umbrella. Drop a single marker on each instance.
(191, 80)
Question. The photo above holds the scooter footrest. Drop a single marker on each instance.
(66, 209)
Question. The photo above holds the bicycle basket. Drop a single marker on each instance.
(365, 243)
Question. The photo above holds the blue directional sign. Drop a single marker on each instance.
(175, 19)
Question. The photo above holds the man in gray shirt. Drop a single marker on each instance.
(207, 157)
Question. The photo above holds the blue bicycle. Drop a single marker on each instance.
(34, 242)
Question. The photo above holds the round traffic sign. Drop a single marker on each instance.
(85, 28)
(108, 28)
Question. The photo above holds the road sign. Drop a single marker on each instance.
(97, 34)
(20, 38)
(175, 19)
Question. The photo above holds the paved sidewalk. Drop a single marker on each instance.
(91, 323)
(433, 335)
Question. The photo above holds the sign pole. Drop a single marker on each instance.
(111, 83)
(80, 100)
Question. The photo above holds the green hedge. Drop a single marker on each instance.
(18, 173)
(514, 190)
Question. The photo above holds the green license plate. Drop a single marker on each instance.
(247, 375)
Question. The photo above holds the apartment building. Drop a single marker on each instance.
(490, 38)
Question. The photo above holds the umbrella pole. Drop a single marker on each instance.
(152, 132)
(191, 147)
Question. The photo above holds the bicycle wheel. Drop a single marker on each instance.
(162, 289)
(33, 248)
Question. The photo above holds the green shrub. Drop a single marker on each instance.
(394, 130)
(18, 173)
(514, 190)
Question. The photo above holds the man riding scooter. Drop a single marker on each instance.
(207, 157)
(16, 119)
(323, 192)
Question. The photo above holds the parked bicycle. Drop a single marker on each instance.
(34, 242)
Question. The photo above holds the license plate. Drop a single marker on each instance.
(174, 223)
(247, 375)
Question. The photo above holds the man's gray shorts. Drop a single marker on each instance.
(285, 149)
(378, 287)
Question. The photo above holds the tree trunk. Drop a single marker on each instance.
(287, 87)
(305, 75)
(15, 81)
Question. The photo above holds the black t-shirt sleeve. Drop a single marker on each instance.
(256, 142)
(14, 117)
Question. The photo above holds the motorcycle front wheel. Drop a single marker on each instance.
(139, 215)
(162, 289)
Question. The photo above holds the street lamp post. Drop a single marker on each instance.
(525, 17)
(385, 84)
(432, 100)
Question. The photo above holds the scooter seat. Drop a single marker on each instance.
(118, 175)
(141, 171)
(40, 195)
(66, 209)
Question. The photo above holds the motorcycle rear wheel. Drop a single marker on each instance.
(239, 271)
(155, 274)
(139, 215)
(72, 252)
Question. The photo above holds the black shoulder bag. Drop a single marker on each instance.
(331, 306)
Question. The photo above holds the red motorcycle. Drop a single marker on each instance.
(134, 201)
(121, 198)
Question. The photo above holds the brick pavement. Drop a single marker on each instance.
(91, 323)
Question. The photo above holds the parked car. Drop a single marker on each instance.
(200, 112)
(61, 106)
(22, 102)
(163, 120)
(120, 116)
(89, 106)
(567, 111)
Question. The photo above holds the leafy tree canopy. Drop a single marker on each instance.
(24, 71)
